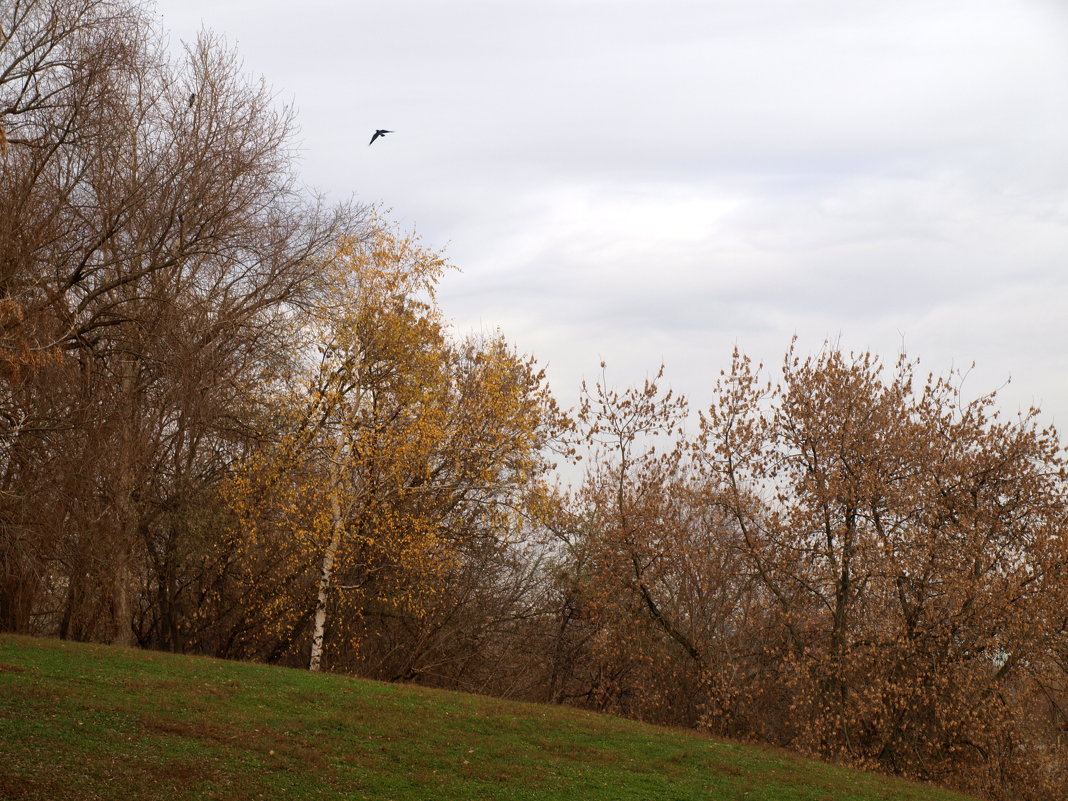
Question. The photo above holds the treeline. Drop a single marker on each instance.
(850, 560)
(234, 421)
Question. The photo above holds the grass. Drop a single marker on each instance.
(95, 722)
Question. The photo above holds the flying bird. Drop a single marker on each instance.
(378, 133)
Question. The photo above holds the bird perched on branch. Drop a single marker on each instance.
(378, 133)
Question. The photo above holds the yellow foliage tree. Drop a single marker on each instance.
(398, 445)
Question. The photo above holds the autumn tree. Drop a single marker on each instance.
(849, 561)
(403, 449)
(153, 244)
(910, 550)
(646, 576)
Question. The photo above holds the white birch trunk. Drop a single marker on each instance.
(326, 569)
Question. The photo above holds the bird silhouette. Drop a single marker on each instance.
(378, 133)
(192, 99)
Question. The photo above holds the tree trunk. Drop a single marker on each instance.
(126, 511)
(326, 571)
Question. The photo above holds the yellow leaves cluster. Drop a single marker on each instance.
(383, 263)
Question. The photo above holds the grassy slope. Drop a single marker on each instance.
(86, 722)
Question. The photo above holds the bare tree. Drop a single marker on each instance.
(152, 252)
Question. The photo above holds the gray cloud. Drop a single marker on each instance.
(641, 182)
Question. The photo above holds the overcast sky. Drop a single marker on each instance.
(640, 181)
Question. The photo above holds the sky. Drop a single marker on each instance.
(642, 182)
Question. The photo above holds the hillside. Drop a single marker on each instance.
(95, 722)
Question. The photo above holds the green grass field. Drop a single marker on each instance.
(93, 722)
